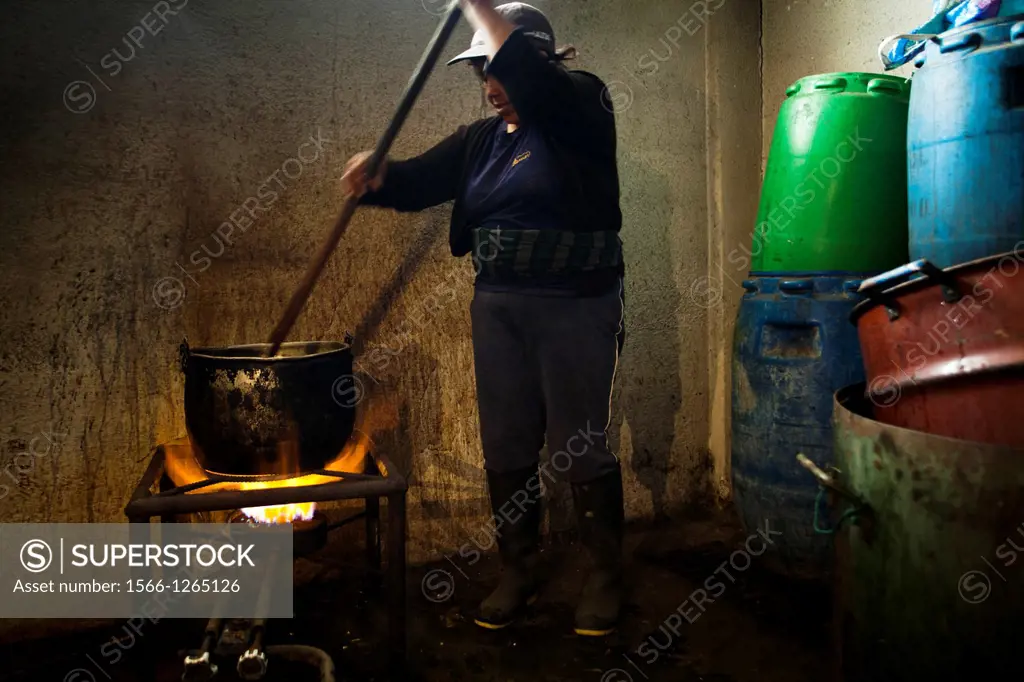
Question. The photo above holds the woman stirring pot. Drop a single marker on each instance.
(536, 189)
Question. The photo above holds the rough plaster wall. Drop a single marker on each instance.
(658, 84)
(101, 208)
(804, 37)
(734, 152)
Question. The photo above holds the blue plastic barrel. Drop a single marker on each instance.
(794, 346)
(965, 144)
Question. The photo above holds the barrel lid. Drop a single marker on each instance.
(851, 81)
(881, 297)
(963, 40)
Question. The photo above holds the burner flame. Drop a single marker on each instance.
(183, 469)
(284, 513)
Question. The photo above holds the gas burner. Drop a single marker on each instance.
(174, 484)
(309, 534)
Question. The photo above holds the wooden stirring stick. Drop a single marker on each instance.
(412, 91)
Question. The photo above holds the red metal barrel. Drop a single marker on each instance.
(944, 352)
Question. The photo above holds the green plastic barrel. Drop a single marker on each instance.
(834, 198)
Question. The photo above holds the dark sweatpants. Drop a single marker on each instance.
(546, 364)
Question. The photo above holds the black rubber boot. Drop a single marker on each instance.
(599, 510)
(518, 544)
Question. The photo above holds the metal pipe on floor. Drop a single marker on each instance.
(199, 667)
(305, 654)
(252, 664)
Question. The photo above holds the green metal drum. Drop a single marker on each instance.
(834, 198)
(931, 573)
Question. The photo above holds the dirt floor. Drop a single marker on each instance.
(750, 625)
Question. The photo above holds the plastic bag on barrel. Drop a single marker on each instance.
(897, 50)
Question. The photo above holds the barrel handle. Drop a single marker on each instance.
(183, 353)
(882, 86)
(1017, 32)
(796, 286)
(830, 84)
(968, 41)
(877, 288)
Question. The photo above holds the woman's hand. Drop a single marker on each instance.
(476, 10)
(482, 16)
(355, 181)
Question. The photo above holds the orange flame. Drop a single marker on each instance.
(183, 469)
(285, 513)
(351, 459)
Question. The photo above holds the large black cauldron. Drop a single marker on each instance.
(249, 415)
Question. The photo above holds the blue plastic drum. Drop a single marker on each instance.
(794, 347)
(966, 144)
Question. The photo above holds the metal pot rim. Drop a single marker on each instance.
(980, 365)
(924, 283)
(847, 405)
(222, 353)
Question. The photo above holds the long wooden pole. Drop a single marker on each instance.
(412, 91)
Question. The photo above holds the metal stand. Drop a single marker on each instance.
(382, 481)
(396, 582)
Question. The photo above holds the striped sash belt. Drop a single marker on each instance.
(524, 253)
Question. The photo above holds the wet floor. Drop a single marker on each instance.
(701, 608)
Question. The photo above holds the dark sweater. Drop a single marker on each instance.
(571, 108)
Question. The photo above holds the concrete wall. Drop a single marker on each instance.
(120, 166)
(123, 160)
(804, 37)
(734, 148)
